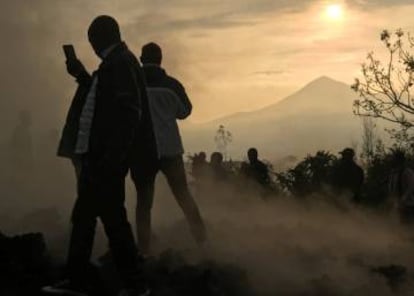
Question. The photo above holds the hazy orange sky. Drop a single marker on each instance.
(232, 55)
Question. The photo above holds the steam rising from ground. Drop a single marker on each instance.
(286, 246)
(291, 247)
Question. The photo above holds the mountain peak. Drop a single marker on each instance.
(324, 80)
(320, 94)
(324, 84)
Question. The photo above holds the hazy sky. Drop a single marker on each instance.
(231, 55)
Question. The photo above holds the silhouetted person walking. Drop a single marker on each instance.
(401, 187)
(21, 143)
(348, 177)
(101, 130)
(256, 170)
(168, 102)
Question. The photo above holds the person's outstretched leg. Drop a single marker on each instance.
(174, 171)
(118, 230)
(144, 180)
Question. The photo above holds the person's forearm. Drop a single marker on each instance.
(84, 78)
(185, 107)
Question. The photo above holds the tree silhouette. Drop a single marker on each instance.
(309, 176)
(223, 138)
(386, 88)
(403, 139)
(370, 140)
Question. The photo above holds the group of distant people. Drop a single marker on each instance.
(214, 170)
(122, 119)
(346, 178)
(253, 175)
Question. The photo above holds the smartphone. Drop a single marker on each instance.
(69, 51)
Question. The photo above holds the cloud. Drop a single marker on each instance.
(165, 23)
(214, 46)
(269, 72)
(209, 22)
(379, 3)
(185, 14)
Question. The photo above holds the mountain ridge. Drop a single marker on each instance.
(317, 116)
(308, 87)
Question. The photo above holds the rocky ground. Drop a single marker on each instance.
(26, 267)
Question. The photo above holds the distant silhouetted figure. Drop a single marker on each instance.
(22, 143)
(256, 170)
(218, 170)
(401, 187)
(168, 102)
(101, 130)
(199, 167)
(348, 177)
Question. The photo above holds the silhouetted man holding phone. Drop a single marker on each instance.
(101, 130)
(167, 102)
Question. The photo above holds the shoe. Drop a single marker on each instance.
(66, 288)
(134, 292)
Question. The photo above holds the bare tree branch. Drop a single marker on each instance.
(385, 91)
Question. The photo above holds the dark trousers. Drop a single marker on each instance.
(102, 195)
(143, 175)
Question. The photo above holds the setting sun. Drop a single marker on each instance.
(334, 12)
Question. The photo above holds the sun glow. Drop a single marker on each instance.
(334, 12)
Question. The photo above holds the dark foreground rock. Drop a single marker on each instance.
(24, 264)
(25, 267)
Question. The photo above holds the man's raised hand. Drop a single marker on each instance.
(75, 67)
